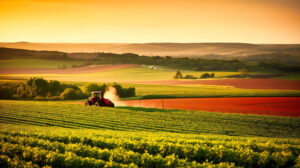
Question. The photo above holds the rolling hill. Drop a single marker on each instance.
(193, 50)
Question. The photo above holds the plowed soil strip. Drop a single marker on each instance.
(277, 106)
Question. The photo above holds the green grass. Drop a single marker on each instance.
(193, 91)
(37, 63)
(289, 77)
(116, 75)
(79, 116)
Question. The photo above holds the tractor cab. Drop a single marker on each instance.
(97, 99)
(95, 96)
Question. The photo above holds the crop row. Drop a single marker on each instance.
(40, 157)
(129, 151)
(78, 116)
(43, 157)
(118, 121)
(154, 145)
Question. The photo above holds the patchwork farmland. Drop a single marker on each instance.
(229, 120)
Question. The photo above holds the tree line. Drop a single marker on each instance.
(9, 53)
(195, 64)
(205, 75)
(41, 89)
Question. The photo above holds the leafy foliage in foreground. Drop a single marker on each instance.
(62, 147)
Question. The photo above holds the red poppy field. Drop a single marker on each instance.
(277, 106)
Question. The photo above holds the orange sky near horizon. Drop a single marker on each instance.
(141, 21)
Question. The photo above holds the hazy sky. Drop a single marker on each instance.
(139, 21)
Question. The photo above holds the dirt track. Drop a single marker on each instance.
(277, 106)
(238, 83)
(81, 70)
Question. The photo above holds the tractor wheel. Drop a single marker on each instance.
(112, 105)
(87, 103)
(97, 104)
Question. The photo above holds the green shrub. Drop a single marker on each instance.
(205, 75)
(41, 89)
(89, 87)
(64, 86)
(11, 86)
(6, 93)
(55, 88)
(25, 91)
(38, 85)
(190, 77)
(124, 92)
(71, 94)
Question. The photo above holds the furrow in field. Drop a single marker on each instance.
(111, 121)
(82, 122)
(54, 122)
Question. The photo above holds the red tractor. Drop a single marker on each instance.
(99, 101)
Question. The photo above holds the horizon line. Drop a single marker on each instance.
(152, 43)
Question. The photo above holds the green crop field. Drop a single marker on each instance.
(78, 116)
(38, 134)
(51, 146)
(37, 63)
(66, 134)
(119, 75)
(290, 77)
(115, 75)
(186, 91)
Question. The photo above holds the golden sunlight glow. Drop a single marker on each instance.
(135, 21)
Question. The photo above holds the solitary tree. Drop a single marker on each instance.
(178, 75)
